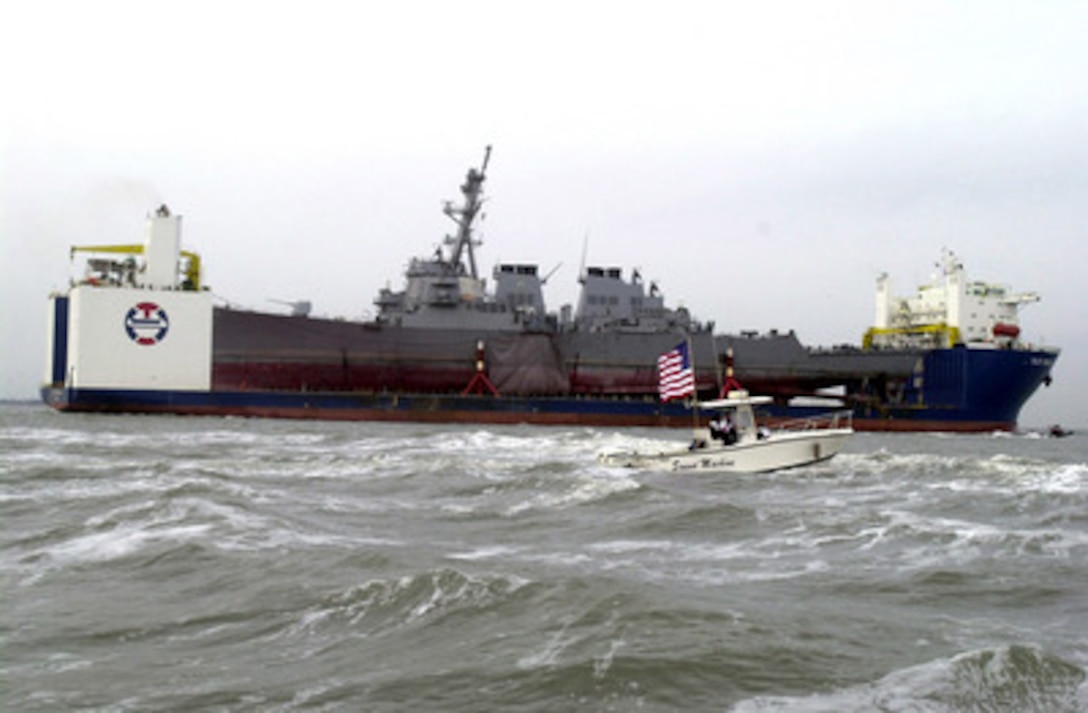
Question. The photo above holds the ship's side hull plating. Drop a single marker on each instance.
(340, 406)
(559, 377)
(959, 390)
(296, 367)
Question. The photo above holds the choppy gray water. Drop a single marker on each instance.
(188, 563)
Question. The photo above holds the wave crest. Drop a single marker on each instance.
(1007, 678)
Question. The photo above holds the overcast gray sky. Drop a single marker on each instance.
(762, 161)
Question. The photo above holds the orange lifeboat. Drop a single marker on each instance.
(1002, 329)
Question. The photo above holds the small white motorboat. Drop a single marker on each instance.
(734, 443)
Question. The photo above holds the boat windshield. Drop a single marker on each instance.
(744, 421)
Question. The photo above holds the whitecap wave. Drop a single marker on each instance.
(1009, 678)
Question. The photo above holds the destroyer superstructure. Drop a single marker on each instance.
(446, 290)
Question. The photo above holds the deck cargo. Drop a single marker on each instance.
(139, 332)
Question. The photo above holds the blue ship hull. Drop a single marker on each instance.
(958, 389)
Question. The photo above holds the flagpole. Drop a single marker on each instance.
(694, 389)
(717, 360)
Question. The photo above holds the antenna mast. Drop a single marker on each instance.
(465, 215)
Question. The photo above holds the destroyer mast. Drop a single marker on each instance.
(465, 215)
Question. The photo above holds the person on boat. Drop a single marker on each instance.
(715, 427)
(729, 430)
(721, 429)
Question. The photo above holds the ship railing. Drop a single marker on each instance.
(822, 421)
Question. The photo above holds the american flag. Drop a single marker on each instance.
(675, 378)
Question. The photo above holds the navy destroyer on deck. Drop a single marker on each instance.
(139, 333)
